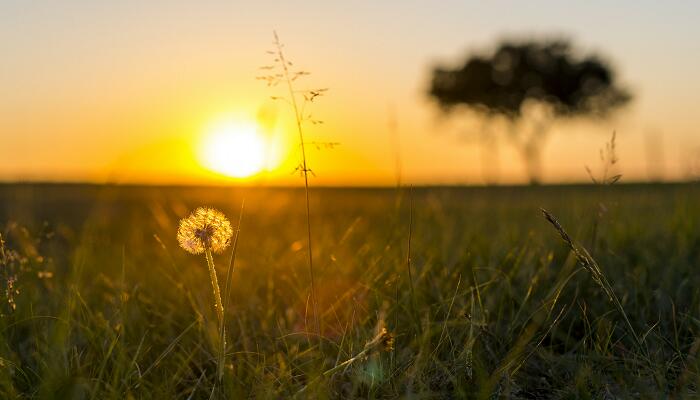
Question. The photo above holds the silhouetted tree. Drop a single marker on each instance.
(530, 83)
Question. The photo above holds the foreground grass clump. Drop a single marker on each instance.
(98, 301)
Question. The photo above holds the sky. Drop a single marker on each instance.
(127, 91)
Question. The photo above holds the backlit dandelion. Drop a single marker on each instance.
(205, 228)
(207, 231)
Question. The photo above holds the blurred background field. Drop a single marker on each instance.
(104, 304)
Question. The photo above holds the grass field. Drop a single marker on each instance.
(101, 302)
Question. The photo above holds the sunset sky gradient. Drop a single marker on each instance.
(123, 91)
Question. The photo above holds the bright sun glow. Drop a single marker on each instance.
(234, 149)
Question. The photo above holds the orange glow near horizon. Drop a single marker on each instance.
(141, 92)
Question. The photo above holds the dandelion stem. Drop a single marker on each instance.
(219, 312)
(215, 285)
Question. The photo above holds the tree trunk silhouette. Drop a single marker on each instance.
(530, 144)
(488, 154)
(532, 155)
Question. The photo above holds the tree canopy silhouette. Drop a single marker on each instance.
(549, 74)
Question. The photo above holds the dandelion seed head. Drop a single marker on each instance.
(205, 228)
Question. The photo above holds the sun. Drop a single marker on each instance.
(234, 149)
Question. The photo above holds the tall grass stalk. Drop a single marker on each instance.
(395, 139)
(608, 160)
(414, 308)
(227, 294)
(585, 259)
(304, 169)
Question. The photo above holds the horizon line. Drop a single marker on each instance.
(669, 182)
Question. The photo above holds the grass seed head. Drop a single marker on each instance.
(387, 340)
(205, 228)
(382, 341)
